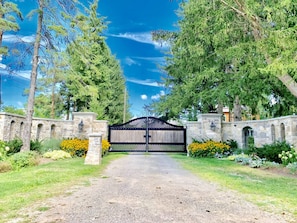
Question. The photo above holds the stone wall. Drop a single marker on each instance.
(263, 131)
(208, 126)
(11, 126)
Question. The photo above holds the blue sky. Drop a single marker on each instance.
(129, 38)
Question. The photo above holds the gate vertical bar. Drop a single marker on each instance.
(146, 135)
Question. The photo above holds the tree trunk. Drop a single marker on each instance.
(288, 81)
(31, 98)
(53, 99)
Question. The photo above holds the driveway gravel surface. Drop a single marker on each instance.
(149, 188)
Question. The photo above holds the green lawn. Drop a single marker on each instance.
(22, 188)
(270, 191)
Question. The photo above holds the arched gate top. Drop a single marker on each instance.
(144, 122)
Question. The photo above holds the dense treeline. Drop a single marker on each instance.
(229, 49)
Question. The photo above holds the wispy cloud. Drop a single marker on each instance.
(17, 38)
(20, 73)
(24, 73)
(2, 66)
(156, 70)
(155, 59)
(147, 82)
(129, 61)
(143, 37)
(157, 96)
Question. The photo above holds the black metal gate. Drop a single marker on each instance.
(147, 134)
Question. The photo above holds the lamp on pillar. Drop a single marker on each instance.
(212, 126)
(81, 126)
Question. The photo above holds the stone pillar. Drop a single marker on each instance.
(211, 126)
(83, 123)
(94, 154)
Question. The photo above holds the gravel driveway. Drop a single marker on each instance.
(150, 188)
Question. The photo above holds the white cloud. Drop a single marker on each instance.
(143, 96)
(143, 37)
(20, 104)
(156, 70)
(157, 96)
(146, 82)
(154, 59)
(24, 73)
(2, 66)
(129, 61)
(16, 38)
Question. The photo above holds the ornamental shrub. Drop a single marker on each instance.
(57, 155)
(208, 149)
(50, 145)
(14, 146)
(23, 159)
(3, 150)
(271, 152)
(75, 146)
(36, 145)
(79, 147)
(105, 147)
(288, 157)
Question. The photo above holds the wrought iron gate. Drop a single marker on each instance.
(148, 134)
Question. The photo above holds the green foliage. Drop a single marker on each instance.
(244, 159)
(219, 44)
(23, 159)
(95, 81)
(13, 110)
(250, 142)
(208, 149)
(232, 143)
(14, 146)
(288, 157)
(36, 145)
(50, 145)
(270, 152)
(9, 13)
(57, 155)
(3, 150)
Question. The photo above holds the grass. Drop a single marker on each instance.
(22, 188)
(270, 191)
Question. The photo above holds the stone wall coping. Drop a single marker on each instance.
(53, 120)
(101, 121)
(11, 114)
(84, 114)
(261, 120)
(95, 135)
(34, 118)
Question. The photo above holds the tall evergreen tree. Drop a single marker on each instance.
(95, 81)
(226, 49)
